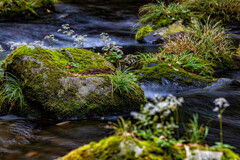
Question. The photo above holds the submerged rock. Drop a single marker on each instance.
(65, 83)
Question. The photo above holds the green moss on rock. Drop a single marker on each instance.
(128, 148)
(142, 32)
(50, 84)
(238, 50)
(116, 147)
(24, 8)
(172, 72)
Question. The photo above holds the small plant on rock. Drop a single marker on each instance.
(112, 52)
(66, 31)
(156, 120)
(123, 82)
(11, 92)
(196, 133)
(220, 105)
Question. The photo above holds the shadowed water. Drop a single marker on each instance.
(200, 101)
(27, 139)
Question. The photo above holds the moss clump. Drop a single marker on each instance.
(177, 27)
(24, 8)
(2, 64)
(126, 147)
(161, 15)
(238, 51)
(50, 84)
(172, 72)
(226, 11)
(116, 147)
(142, 32)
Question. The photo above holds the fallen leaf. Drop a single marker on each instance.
(175, 69)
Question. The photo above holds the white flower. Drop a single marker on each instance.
(1, 49)
(221, 102)
(216, 109)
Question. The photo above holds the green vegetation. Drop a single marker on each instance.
(196, 133)
(160, 15)
(227, 11)
(111, 51)
(10, 91)
(238, 51)
(172, 72)
(207, 45)
(152, 137)
(24, 8)
(221, 105)
(144, 31)
(190, 57)
(123, 82)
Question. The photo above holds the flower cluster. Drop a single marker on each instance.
(162, 106)
(51, 39)
(220, 104)
(156, 119)
(14, 45)
(66, 30)
(105, 38)
(79, 40)
(112, 47)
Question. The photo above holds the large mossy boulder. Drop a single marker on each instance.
(126, 147)
(69, 83)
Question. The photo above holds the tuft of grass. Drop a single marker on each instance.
(208, 42)
(123, 127)
(195, 132)
(10, 91)
(123, 82)
(227, 11)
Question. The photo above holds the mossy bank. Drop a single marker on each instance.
(25, 9)
(159, 72)
(126, 147)
(69, 83)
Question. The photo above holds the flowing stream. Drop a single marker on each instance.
(44, 139)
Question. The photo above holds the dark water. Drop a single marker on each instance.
(27, 139)
(200, 101)
(89, 18)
